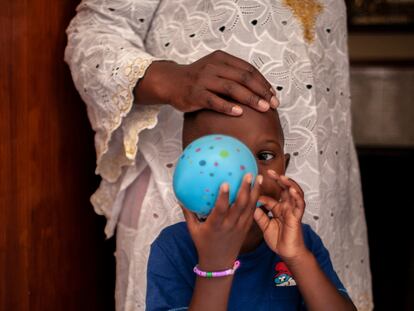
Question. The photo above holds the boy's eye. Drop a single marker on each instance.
(265, 155)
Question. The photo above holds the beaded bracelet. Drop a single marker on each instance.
(217, 274)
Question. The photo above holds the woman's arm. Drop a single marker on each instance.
(107, 57)
(217, 81)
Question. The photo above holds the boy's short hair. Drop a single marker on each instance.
(191, 117)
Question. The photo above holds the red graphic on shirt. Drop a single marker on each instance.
(283, 276)
(281, 268)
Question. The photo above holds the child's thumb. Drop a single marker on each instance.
(190, 218)
(261, 219)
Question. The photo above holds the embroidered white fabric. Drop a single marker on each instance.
(299, 46)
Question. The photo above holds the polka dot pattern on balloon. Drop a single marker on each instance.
(224, 154)
(220, 159)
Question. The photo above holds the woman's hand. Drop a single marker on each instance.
(218, 81)
(283, 232)
(219, 239)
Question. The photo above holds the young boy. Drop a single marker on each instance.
(283, 263)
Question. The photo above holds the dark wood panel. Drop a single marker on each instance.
(53, 255)
(13, 243)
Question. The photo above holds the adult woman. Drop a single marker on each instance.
(299, 47)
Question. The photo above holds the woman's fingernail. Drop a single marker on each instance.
(264, 105)
(248, 178)
(293, 190)
(236, 110)
(259, 179)
(225, 187)
(274, 102)
(273, 91)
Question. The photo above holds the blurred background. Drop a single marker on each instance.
(381, 50)
(53, 253)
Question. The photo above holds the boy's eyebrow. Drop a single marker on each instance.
(271, 141)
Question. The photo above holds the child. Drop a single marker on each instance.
(283, 263)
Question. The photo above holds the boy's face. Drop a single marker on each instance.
(260, 131)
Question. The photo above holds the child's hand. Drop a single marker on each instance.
(283, 232)
(219, 239)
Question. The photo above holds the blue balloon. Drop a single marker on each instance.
(205, 164)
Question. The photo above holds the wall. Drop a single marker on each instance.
(382, 80)
(381, 46)
(53, 255)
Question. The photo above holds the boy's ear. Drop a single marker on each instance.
(287, 159)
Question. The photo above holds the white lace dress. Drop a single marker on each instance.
(300, 46)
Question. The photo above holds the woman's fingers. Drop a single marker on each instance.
(212, 101)
(205, 83)
(221, 207)
(258, 87)
(238, 92)
(249, 70)
(222, 73)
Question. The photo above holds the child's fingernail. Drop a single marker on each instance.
(249, 178)
(264, 105)
(293, 190)
(272, 172)
(259, 179)
(274, 102)
(273, 91)
(236, 110)
(225, 187)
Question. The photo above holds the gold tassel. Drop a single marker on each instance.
(307, 12)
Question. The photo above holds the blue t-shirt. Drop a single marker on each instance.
(262, 281)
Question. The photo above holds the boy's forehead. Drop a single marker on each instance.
(250, 125)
